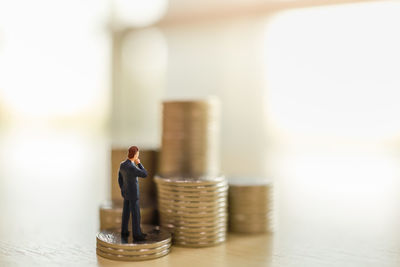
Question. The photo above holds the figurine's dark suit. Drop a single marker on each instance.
(128, 182)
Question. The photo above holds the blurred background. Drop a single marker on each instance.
(309, 96)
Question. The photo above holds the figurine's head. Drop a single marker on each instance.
(133, 153)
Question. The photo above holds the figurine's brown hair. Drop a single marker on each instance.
(132, 151)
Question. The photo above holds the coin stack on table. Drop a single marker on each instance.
(250, 207)
(195, 210)
(190, 138)
(111, 211)
(192, 197)
(112, 246)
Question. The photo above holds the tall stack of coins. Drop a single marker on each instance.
(112, 246)
(250, 208)
(195, 210)
(190, 138)
(111, 215)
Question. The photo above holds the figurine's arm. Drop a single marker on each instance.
(120, 180)
(140, 171)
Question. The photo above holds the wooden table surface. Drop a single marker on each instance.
(331, 209)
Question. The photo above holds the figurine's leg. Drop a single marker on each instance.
(136, 218)
(125, 218)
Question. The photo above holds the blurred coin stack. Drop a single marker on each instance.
(111, 211)
(192, 198)
(112, 246)
(250, 208)
(190, 138)
(195, 210)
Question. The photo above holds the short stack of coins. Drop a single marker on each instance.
(112, 246)
(195, 210)
(250, 208)
(190, 138)
(111, 215)
(111, 212)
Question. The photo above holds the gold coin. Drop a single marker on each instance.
(178, 236)
(202, 191)
(194, 216)
(194, 195)
(250, 210)
(203, 234)
(132, 257)
(165, 222)
(249, 217)
(190, 127)
(176, 208)
(191, 182)
(191, 202)
(156, 237)
(193, 187)
(199, 214)
(210, 223)
(198, 244)
(242, 228)
(219, 197)
(147, 251)
(197, 229)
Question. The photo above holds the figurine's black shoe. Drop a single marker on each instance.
(141, 237)
(125, 234)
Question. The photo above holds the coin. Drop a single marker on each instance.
(191, 191)
(132, 257)
(198, 244)
(156, 237)
(197, 229)
(205, 180)
(250, 207)
(192, 128)
(173, 217)
(193, 203)
(193, 209)
(258, 228)
(179, 236)
(146, 251)
(220, 197)
(181, 223)
(177, 208)
(197, 202)
(194, 195)
(203, 234)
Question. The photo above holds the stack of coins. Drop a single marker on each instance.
(195, 210)
(111, 215)
(112, 246)
(190, 138)
(250, 208)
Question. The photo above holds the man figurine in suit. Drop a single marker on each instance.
(129, 170)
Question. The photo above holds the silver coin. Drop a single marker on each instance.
(128, 252)
(156, 237)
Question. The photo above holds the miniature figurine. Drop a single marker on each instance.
(129, 170)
